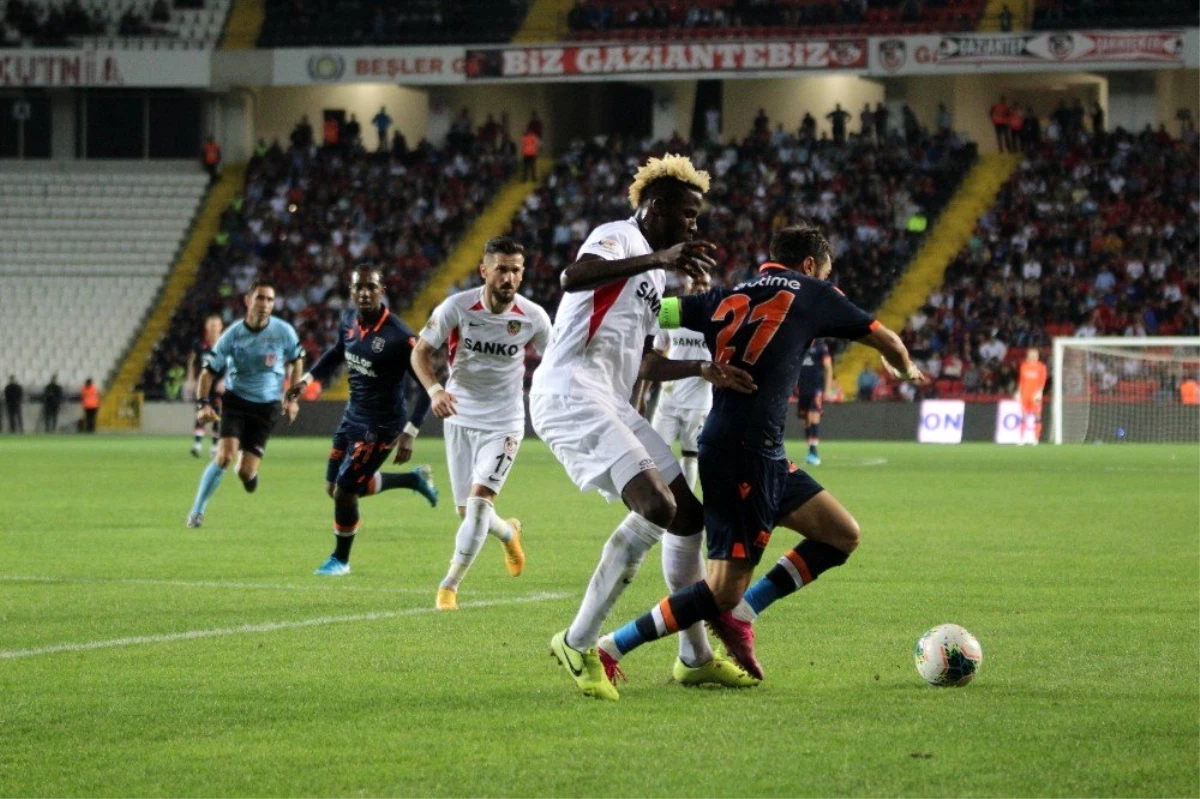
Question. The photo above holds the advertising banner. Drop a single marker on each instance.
(104, 68)
(1008, 422)
(601, 62)
(402, 65)
(1029, 52)
(941, 421)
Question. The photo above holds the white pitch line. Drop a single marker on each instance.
(327, 587)
(268, 627)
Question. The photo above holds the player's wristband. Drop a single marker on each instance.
(201, 404)
(670, 313)
(435, 388)
(411, 429)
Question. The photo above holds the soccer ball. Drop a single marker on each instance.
(948, 656)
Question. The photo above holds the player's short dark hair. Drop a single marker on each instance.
(796, 242)
(261, 283)
(503, 245)
(368, 269)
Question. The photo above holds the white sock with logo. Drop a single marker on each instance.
(469, 540)
(623, 553)
(683, 565)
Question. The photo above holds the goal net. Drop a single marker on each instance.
(1126, 389)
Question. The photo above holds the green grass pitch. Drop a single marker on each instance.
(140, 658)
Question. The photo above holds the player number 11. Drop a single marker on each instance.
(767, 315)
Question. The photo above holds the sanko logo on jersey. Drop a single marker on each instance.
(648, 293)
(491, 347)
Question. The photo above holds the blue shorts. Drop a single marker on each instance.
(358, 450)
(746, 494)
(811, 399)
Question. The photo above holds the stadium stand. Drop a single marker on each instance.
(1067, 14)
(83, 253)
(299, 23)
(114, 24)
(308, 215)
(1091, 236)
(864, 194)
(737, 19)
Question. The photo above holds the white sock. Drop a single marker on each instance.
(691, 470)
(743, 612)
(683, 566)
(499, 528)
(623, 553)
(469, 540)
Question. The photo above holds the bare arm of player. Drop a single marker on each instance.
(590, 271)
(443, 403)
(896, 359)
(827, 362)
(191, 379)
(291, 404)
(206, 412)
(722, 375)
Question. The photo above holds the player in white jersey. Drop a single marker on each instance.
(683, 405)
(580, 406)
(486, 330)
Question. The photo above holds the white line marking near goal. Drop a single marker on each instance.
(267, 627)
(327, 586)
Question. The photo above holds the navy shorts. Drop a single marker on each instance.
(810, 400)
(358, 450)
(746, 494)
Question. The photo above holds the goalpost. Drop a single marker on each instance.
(1126, 389)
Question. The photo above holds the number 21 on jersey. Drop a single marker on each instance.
(767, 315)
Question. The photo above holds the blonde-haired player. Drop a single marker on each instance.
(486, 330)
(1031, 383)
(580, 406)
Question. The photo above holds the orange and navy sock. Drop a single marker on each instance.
(677, 612)
(796, 569)
(345, 525)
(814, 437)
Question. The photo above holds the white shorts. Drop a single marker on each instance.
(602, 446)
(680, 423)
(479, 457)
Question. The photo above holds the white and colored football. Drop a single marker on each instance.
(948, 656)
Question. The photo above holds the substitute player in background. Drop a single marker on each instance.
(580, 406)
(750, 488)
(814, 385)
(684, 404)
(1030, 385)
(251, 354)
(376, 348)
(213, 326)
(487, 329)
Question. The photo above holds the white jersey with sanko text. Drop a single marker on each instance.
(487, 356)
(599, 335)
(691, 393)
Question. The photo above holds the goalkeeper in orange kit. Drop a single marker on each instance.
(1030, 386)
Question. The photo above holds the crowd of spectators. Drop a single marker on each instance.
(1094, 235)
(296, 23)
(588, 18)
(50, 25)
(310, 213)
(873, 199)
